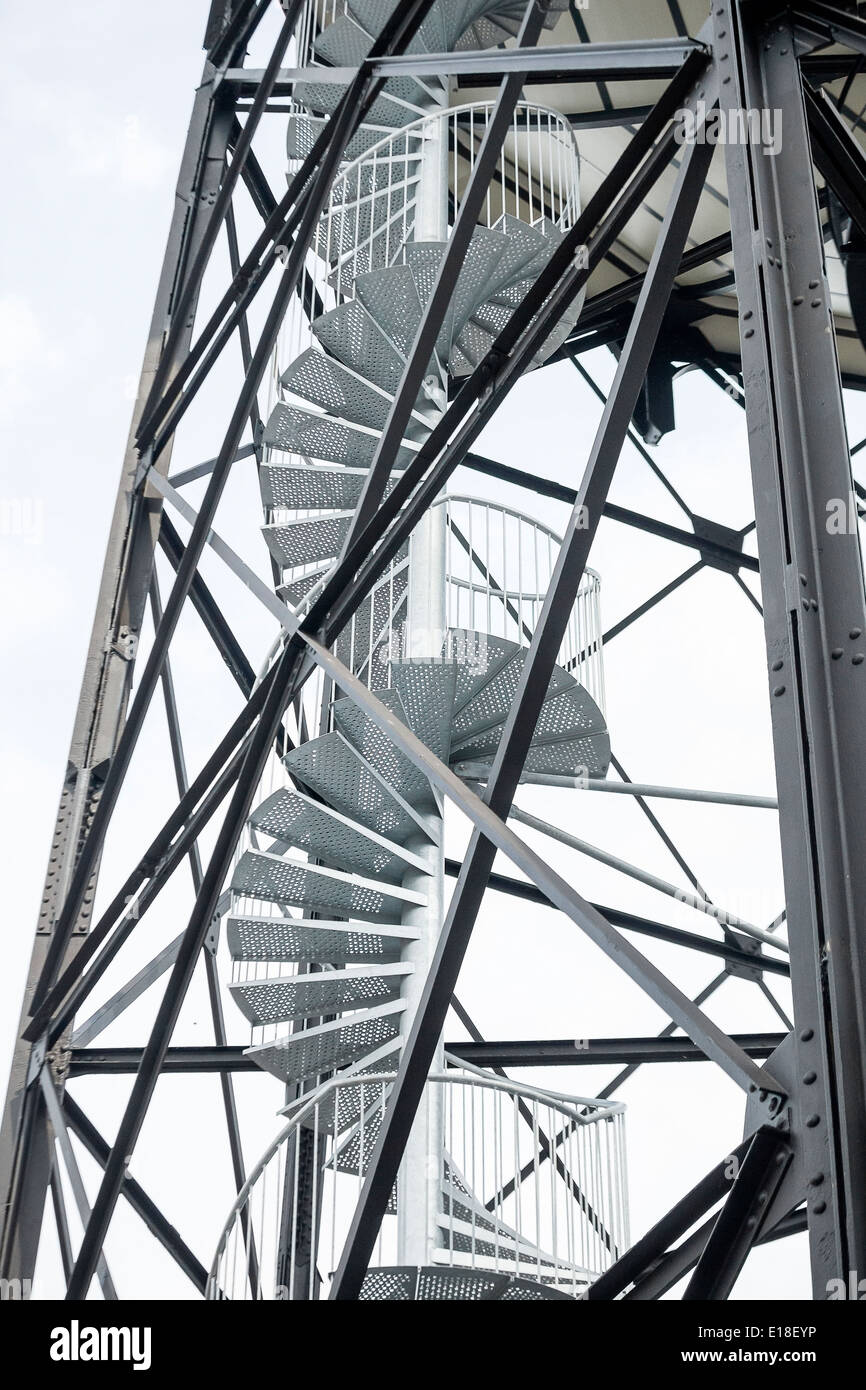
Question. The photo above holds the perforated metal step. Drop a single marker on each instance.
(350, 334)
(342, 1106)
(298, 939)
(408, 1284)
(564, 716)
(325, 834)
(302, 542)
(295, 430)
(299, 485)
(287, 997)
(328, 1046)
(492, 701)
(398, 771)
(333, 769)
(427, 690)
(324, 382)
(317, 889)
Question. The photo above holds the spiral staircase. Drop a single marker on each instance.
(341, 873)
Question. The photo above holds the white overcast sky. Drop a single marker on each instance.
(96, 99)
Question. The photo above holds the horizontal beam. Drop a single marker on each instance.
(714, 553)
(556, 1052)
(586, 62)
(478, 772)
(627, 921)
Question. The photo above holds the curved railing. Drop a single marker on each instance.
(533, 1183)
(371, 210)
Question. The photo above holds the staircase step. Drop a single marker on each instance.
(334, 770)
(328, 1046)
(304, 130)
(304, 541)
(295, 819)
(491, 703)
(297, 589)
(464, 1238)
(390, 298)
(344, 44)
(365, 644)
(478, 657)
(321, 943)
(299, 485)
(295, 430)
(343, 1106)
(571, 713)
(396, 769)
(428, 691)
(409, 1284)
(402, 100)
(353, 1153)
(335, 388)
(350, 334)
(317, 889)
(287, 997)
(477, 272)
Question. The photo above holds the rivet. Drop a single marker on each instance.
(813, 284)
(777, 665)
(857, 660)
(750, 332)
(779, 264)
(817, 1180)
(836, 653)
(854, 633)
(810, 1078)
(820, 1207)
(812, 1121)
(805, 603)
(752, 1222)
(803, 579)
(780, 690)
(747, 315)
(725, 80)
(783, 50)
(799, 300)
(814, 603)
(807, 1035)
(769, 242)
(752, 1086)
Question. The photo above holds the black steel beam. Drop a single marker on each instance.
(144, 1206)
(555, 1052)
(814, 617)
(396, 34)
(628, 921)
(739, 1221)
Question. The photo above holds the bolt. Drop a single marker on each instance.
(798, 300)
(817, 1180)
(807, 1035)
(854, 634)
(820, 1207)
(779, 690)
(810, 1078)
(857, 660)
(812, 1121)
(836, 653)
(777, 665)
(803, 579)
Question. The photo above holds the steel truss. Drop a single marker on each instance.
(806, 1106)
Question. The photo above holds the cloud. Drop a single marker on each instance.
(22, 349)
(122, 151)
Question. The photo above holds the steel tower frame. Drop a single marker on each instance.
(805, 1090)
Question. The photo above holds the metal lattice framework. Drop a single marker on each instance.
(763, 328)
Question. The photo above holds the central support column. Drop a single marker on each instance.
(420, 1177)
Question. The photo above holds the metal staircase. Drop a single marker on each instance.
(351, 838)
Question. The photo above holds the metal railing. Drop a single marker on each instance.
(532, 1184)
(371, 211)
